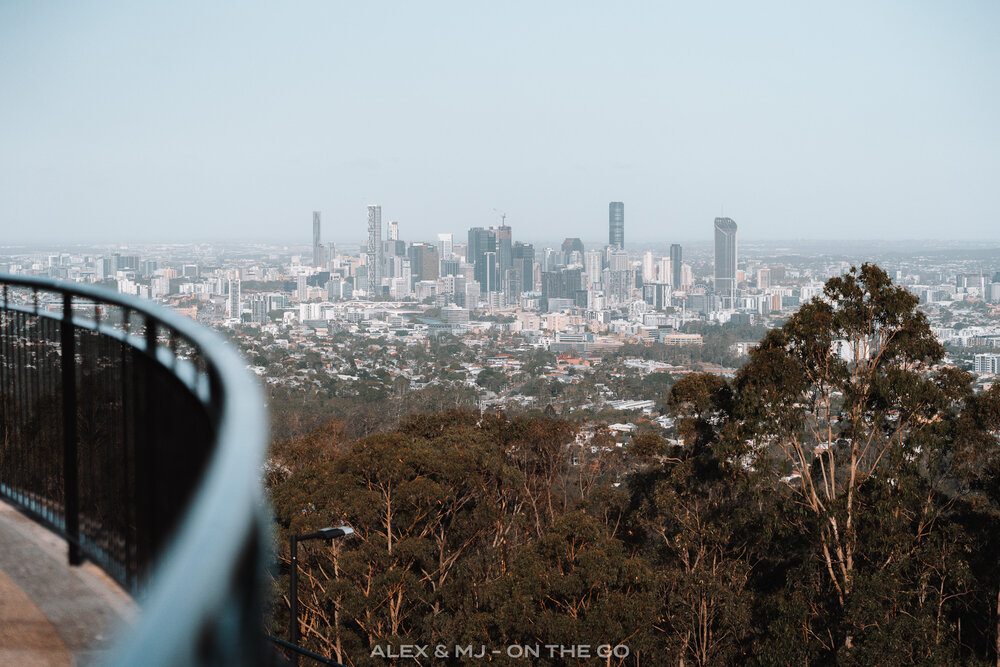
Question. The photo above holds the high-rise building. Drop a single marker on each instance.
(571, 245)
(233, 299)
(648, 268)
(676, 259)
(987, 363)
(524, 259)
(394, 230)
(618, 260)
(423, 261)
(664, 271)
(593, 264)
(319, 258)
(725, 259)
(504, 256)
(374, 259)
(616, 224)
(445, 244)
(483, 242)
(489, 280)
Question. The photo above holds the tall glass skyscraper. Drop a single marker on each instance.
(616, 224)
(505, 259)
(317, 245)
(374, 258)
(725, 258)
(676, 258)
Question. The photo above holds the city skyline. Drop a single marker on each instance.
(503, 421)
(880, 125)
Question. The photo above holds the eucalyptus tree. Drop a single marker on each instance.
(851, 405)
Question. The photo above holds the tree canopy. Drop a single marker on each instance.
(836, 502)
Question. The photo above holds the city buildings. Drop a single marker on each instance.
(988, 363)
(725, 259)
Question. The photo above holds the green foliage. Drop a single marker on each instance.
(824, 508)
(491, 379)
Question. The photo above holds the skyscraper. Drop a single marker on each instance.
(445, 244)
(482, 254)
(616, 224)
(504, 256)
(648, 268)
(374, 258)
(571, 245)
(524, 259)
(593, 264)
(725, 259)
(676, 258)
(234, 299)
(318, 255)
(423, 261)
(394, 230)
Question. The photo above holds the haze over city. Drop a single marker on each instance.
(233, 122)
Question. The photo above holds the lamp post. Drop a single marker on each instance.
(293, 540)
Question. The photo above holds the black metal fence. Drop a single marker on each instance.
(137, 435)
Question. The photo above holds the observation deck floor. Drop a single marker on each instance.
(51, 613)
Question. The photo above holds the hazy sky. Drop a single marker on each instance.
(213, 120)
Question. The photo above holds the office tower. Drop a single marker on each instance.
(687, 277)
(725, 258)
(233, 299)
(664, 271)
(617, 280)
(524, 259)
(763, 278)
(593, 264)
(504, 256)
(617, 285)
(616, 224)
(489, 280)
(474, 246)
(445, 245)
(423, 261)
(483, 242)
(394, 230)
(676, 260)
(550, 259)
(562, 284)
(618, 260)
(374, 259)
(570, 245)
(512, 284)
(648, 268)
(258, 309)
(318, 256)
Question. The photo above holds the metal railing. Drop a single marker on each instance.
(137, 435)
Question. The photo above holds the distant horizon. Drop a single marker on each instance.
(544, 242)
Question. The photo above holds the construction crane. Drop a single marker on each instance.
(503, 217)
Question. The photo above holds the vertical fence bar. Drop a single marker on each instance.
(71, 482)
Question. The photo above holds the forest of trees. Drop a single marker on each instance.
(823, 508)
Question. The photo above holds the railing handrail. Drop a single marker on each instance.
(189, 598)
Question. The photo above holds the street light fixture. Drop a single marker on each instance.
(293, 540)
